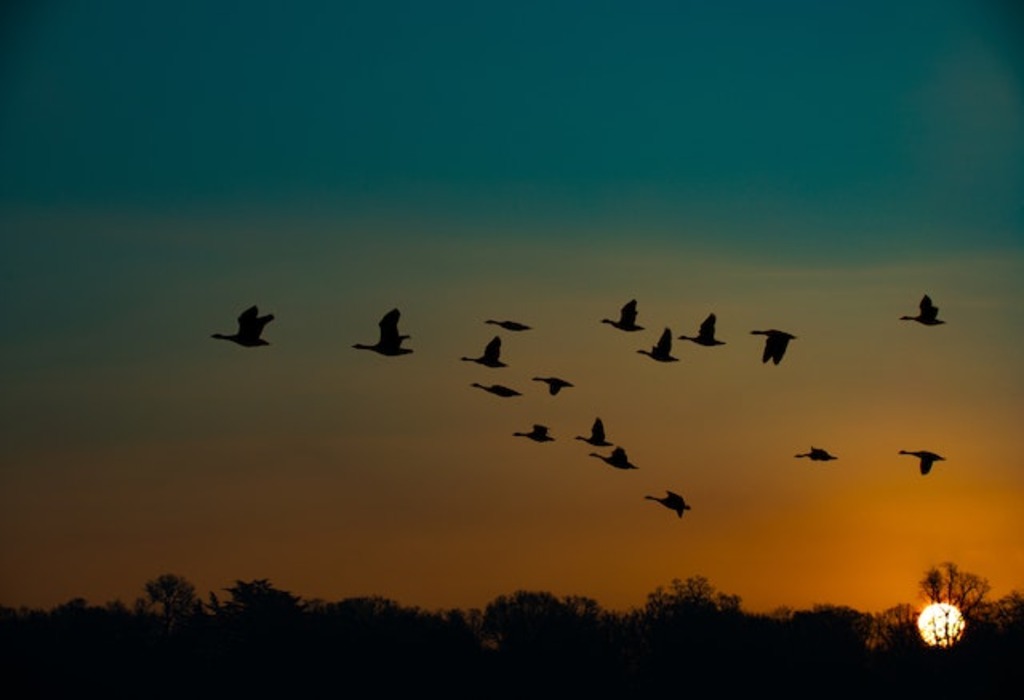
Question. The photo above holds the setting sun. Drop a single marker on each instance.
(941, 625)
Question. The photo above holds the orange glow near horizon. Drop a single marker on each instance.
(335, 473)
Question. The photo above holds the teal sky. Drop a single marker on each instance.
(809, 165)
(855, 119)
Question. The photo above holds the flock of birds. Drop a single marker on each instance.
(391, 343)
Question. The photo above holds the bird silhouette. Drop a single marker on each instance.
(491, 356)
(555, 384)
(250, 326)
(498, 390)
(617, 459)
(672, 501)
(774, 345)
(706, 334)
(627, 318)
(390, 341)
(509, 325)
(818, 454)
(597, 436)
(662, 352)
(538, 434)
(927, 459)
(928, 314)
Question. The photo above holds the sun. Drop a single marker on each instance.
(941, 625)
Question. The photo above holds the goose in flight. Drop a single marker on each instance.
(497, 390)
(662, 352)
(672, 501)
(927, 459)
(627, 318)
(509, 325)
(250, 326)
(491, 356)
(617, 459)
(555, 384)
(774, 345)
(818, 454)
(928, 314)
(538, 434)
(596, 437)
(390, 342)
(706, 334)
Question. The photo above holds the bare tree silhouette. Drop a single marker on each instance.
(946, 583)
(173, 597)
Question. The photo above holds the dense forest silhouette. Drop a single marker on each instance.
(256, 640)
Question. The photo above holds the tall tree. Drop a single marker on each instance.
(173, 597)
(946, 583)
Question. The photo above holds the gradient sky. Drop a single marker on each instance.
(810, 166)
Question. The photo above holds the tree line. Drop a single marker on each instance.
(257, 640)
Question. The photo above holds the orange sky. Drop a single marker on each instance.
(336, 472)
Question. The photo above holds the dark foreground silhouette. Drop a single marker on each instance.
(253, 640)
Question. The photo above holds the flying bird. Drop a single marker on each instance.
(706, 333)
(509, 325)
(250, 326)
(596, 437)
(927, 459)
(617, 459)
(662, 352)
(491, 356)
(818, 454)
(774, 345)
(672, 501)
(627, 318)
(555, 384)
(928, 314)
(390, 341)
(538, 434)
(498, 390)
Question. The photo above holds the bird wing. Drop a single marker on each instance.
(389, 327)
(707, 328)
(926, 464)
(928, 310)
(664, 345)
(493, 349)
(248, 316)
(597, 431)
(775, 347)
(250, 323)
(628, 313)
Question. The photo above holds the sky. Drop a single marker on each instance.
(805, 166)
